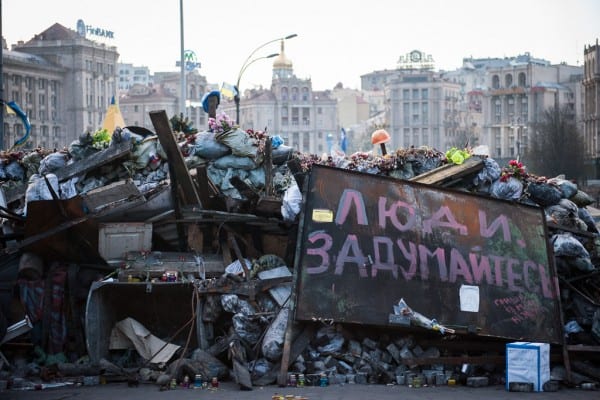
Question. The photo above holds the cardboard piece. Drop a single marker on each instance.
(147, 345)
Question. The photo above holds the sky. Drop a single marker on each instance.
(337, 41)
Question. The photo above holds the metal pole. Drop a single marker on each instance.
(1, 84)
(237, 84)
(182, 56)
(245, 65)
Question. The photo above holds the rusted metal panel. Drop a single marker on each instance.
(467, 261)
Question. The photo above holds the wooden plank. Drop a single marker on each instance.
(448, 172)
(175, 158)
(104, 196)
(207, 190)
(112, 153)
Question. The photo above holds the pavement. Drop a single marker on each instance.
(230, 390)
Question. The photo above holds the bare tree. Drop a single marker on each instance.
(555, 145)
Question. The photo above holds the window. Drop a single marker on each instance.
(497, 106)
(495, 82)
(415, 94)
(424, 94)
(406, 94)
(306, 116)
(425, 113)
(406, 113)
(304, 94)
(522, 79)
(508, 80)
(415, 113)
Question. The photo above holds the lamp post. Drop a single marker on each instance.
(1, 85)
(182, 96)
(237, 84)
(249, 60)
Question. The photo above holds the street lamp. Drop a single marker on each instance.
(249, 60)
(182, 95)
(237, 84)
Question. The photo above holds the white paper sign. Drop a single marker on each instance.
(469, 298)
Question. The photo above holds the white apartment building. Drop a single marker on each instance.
(130, 75)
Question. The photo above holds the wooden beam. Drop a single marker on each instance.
(177, 167)
(449, 172)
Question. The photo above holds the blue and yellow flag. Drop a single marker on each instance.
(228, 90)
(14, 109)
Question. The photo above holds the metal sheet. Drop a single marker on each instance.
(467, 261)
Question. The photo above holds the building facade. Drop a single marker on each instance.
(89, 79)
(422, 106)
(591, 113)
(37, 86)
(130, 75)
(163, 93)
(493, 102)
(306, 119)
(517, 95)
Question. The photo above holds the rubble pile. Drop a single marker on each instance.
(241, 296)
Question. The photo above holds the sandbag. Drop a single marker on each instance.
(582, 199)
(14, 171)
(511, 189)
(52, 162)
(240, 143)
(247, 328)
(206, 146)
(544, 194)
(567, 188)
(233, 161)
(38, 189)
(490, 173)
(281, 154)
(272, 345)
(144, 151)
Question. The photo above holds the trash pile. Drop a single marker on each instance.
(250, 185)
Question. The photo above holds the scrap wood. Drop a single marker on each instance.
(450, 172)
(177, 169)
